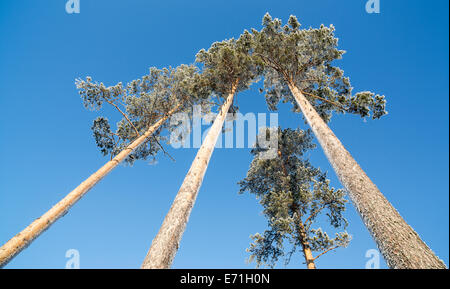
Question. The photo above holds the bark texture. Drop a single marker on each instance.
(399, 244)
(309, 258)
(166, 243)
(23, 239)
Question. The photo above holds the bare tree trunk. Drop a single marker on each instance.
(166, 243)
(23, 239)
(309, 258)
(400, 245)
(306, 247)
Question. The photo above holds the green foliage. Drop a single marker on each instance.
(103, 135)
(293, 194)
(95, 94)
(142, 103)
(227, 63)
(306, 58)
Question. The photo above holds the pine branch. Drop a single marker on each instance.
(124, 115)
(313, 214)
(326, 251)
(162, 148)
(323, 99)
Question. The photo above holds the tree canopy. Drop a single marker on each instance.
(229, 63)
(294, 194)
(141, 103)
(306, 58)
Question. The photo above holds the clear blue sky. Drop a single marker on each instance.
(47, 148)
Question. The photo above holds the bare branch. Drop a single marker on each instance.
(162, 148)
(313, 214)
(323, 99)
(326, 251)
(124, 115)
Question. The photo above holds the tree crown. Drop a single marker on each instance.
(305, 58)
(141, 103)
(228, 63)
(294, 195)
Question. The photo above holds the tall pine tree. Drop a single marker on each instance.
(294, 195)
(230, 69)
(145, 105)
(299, 68)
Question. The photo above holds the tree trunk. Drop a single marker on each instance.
(308, 257)
(400, 245)
(23, 239)
(307, 253)
(306, 248)
(166, 243)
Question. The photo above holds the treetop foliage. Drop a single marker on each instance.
(229, 62)
(280, 54)
(141, 103)
(293, 194)
(305, 58)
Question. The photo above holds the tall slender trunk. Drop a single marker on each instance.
(166, 243)
(400, 245)
(307, 253)
(23, 239)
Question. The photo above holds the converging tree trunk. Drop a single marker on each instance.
(400, 245)
(166, 242)
(307, 253)
(303, 59)
(23, 239)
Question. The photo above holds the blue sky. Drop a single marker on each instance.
(47, 149)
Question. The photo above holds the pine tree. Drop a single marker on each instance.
(145, 105)
(229, 69)
(293, 194)
(299, 68)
